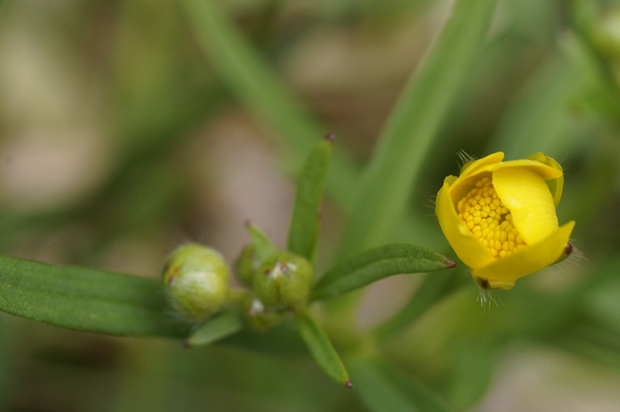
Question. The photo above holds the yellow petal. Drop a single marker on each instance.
(545, 171)
(476, 173)
(526, 195)
(471, 167)
(466, 246)
(555, 185)
(450, 180)
(504, 272)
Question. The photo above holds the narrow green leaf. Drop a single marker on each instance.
(321, 348)
(259, 88)
(383, 388)
(264, 246)
(84, 299)
(413, 124)
(215, 328)
(378, 263)
(304, 229)
(430, 291)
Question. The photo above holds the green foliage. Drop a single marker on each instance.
(179, 78)
(432, 289)
(264, 247)
(412, 127)
(378, 263)
(85, 299)
(304, 229)
(259, 89)
(220, 326)
(384, 388)
(321, 348)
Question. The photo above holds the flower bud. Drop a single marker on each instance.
(283, 280)
(260, 318)
(196, 281)
(247, 264)
(500, 217)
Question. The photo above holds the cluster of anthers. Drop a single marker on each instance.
(489, 220)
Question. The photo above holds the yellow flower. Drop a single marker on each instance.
(500, 219)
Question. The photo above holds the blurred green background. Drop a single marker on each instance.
(127, 128)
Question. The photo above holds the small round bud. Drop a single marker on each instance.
(283, 280)
(246, 264)
(196, 281)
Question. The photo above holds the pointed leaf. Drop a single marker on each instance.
(264, 246)
(84, 299)
(321, 348)
(378, 263)
(304, 229)
(219, 326)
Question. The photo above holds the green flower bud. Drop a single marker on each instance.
(247, 264)
(283, 280)
(260, 318)
(196, 281)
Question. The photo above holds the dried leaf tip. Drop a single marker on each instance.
(348, 384)
(450, 264)
(331, 137)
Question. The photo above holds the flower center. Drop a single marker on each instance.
(489, 220)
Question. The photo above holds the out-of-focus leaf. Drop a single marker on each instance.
(598, 345)
(9, 338)
(430, 291)
(260, 90)
(258, 87)
(590, 46)
(218, 327)
(321, 348)
(84, 299)
(378, 263)
(383, 388)
(304, 229)
(471, 369)
(537, 121)
(413, 125)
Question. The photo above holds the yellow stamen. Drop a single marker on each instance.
(489, 220)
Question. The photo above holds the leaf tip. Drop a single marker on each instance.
(330, 137)
(450, 264)
(186, 344)
(247, 223)
(348, 384)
